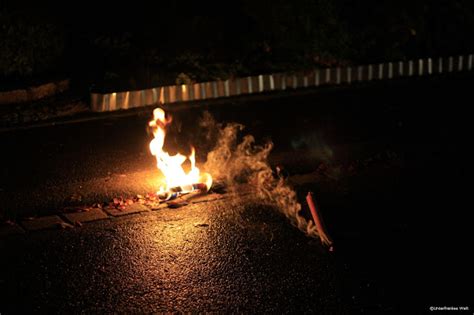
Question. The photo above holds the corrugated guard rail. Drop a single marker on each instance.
(279, 82)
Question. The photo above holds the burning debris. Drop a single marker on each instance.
(177, 180)
(177, 191)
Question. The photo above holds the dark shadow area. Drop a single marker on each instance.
(111, 47)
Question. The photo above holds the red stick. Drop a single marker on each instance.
(325, 239)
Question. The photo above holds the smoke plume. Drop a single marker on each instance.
(237, 159)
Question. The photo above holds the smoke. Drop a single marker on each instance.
(237, 159)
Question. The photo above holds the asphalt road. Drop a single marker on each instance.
(399, 222)
(217, 257)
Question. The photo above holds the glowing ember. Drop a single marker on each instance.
(177, 179)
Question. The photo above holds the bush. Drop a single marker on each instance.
(302, 32)
(28, 47)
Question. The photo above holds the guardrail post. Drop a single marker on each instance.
(106, 102)
(226, 88)
(380, 71)
(95, 101)
(154, 96)
(172, 89)
(238, 89)
(260, 83)
(420, 67)
(120, 100)
(214, 89)
(203, 91)
(135, 99)
(359, 73)
(197, 91)
(113, 101)
(272, 82)
(249, 82)
(283, 82)
(338, 75)
(328, 75)
(294, 80)
(410, 68)
(370, 73)
(142, 100)
(460, 63)
(316, 77)
(400, 68)
(190, 92)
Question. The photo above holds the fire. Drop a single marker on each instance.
(176, 178)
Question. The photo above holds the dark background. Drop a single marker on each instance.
(114, 46)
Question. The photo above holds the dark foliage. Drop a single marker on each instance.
(29, 47)
(138, 45)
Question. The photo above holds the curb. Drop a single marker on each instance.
(265, 83)
(61, 220)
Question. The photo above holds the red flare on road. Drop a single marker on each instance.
(325, 239)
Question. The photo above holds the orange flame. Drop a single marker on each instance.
(172, 165)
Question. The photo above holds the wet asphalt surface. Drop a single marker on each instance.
(399, 222)
(218, 257)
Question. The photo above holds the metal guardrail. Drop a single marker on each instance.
(279, 82)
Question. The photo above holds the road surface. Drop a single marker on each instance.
(398, 220)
